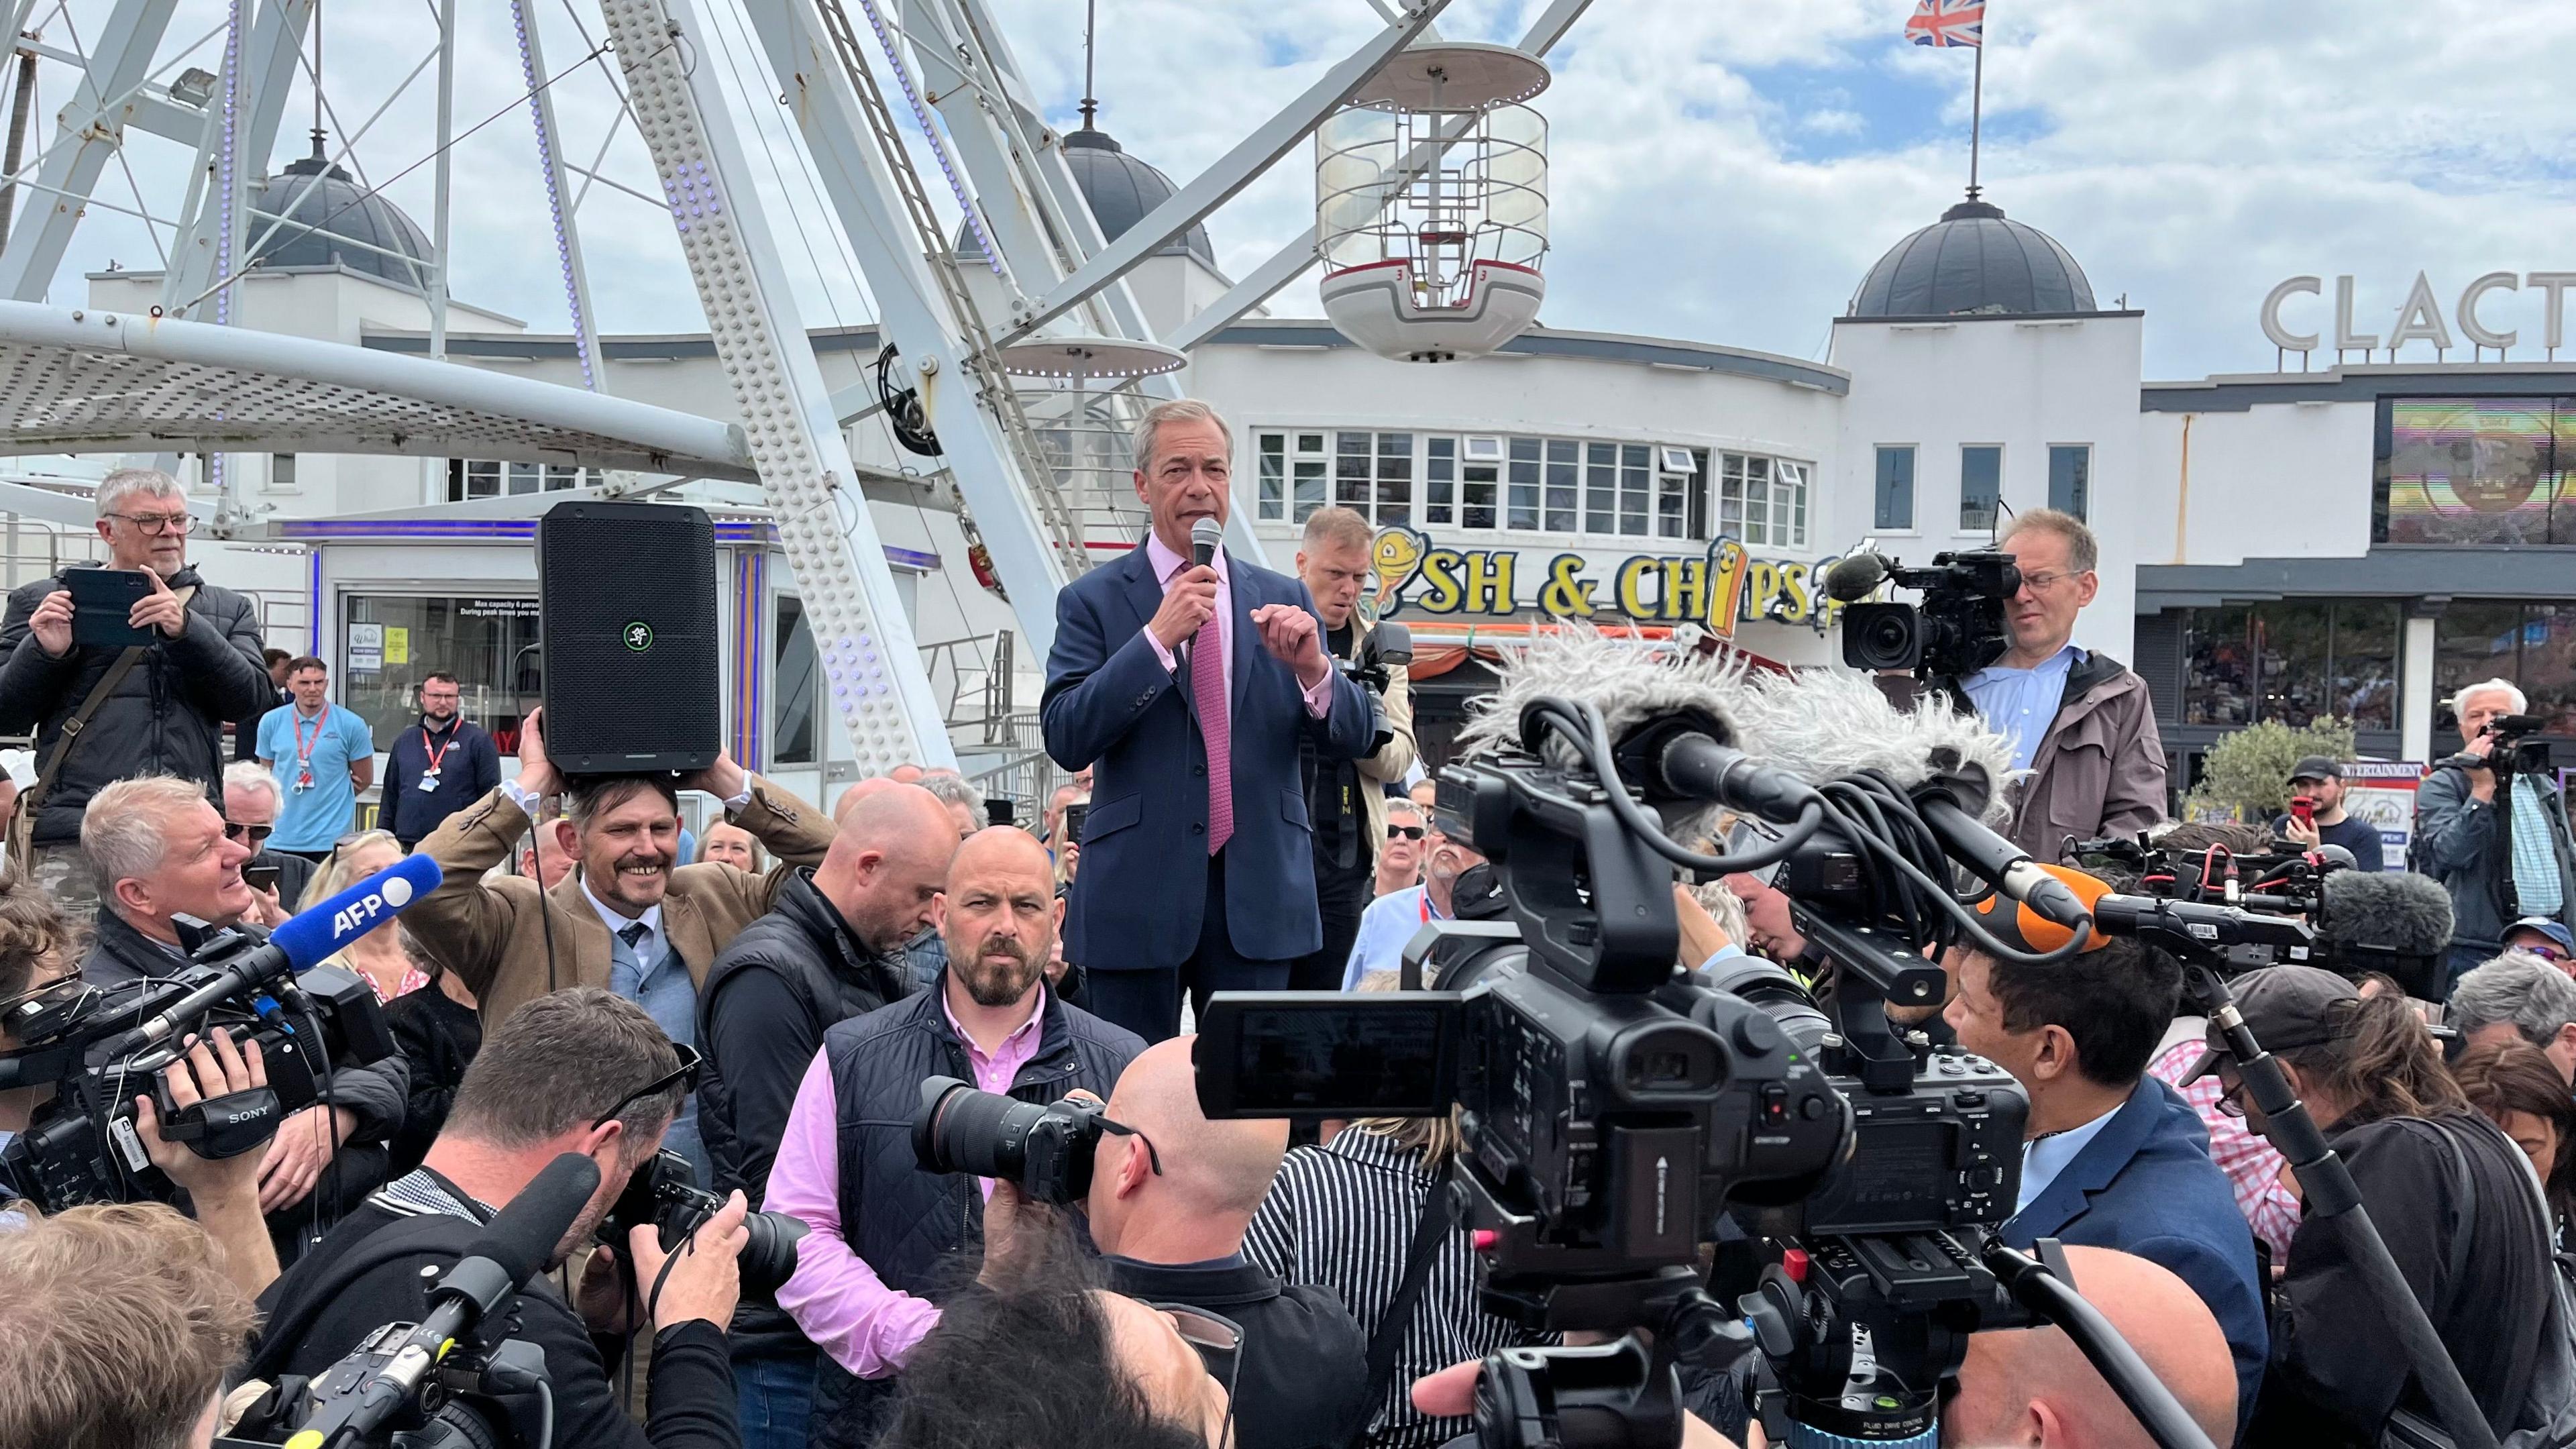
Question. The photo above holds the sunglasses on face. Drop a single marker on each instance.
(1409, 832)
(683, 1075)
(2544, 952)
(248, 834)
(1219, 1342)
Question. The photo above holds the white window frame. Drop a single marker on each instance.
(1515, 483)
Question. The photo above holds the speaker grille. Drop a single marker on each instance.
(627, 593)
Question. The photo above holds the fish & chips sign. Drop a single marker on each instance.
(1715, 590)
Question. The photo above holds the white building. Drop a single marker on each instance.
(2358, 540)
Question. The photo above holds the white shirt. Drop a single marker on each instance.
(2043, 1158)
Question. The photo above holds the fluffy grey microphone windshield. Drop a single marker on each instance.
(1825, 724)
(2398, 910)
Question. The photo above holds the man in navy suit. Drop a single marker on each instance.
(1187, 688)
(2113, 1158)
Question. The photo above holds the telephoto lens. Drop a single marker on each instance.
(665, 1193)
(1045, 1151)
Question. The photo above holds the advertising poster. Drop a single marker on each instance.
(2383, 793)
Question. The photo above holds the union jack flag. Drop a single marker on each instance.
(1947, 22)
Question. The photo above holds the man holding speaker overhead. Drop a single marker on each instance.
(1188, 680)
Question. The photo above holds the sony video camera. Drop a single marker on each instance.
(666, 1194)
(1957, 630)
(2515, 751)
(103, 1047)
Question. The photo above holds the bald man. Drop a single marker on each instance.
(1169, 1217)
(872, 1268)
(2033, 1387)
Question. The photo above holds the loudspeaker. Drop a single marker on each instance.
(627, 602)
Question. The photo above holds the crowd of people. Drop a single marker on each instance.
(765, 1003)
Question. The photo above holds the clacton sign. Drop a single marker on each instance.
(1715, 589)
(2478, 319)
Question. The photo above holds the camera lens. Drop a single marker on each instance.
(769, 1259)
(1777, 994)
(960, 1129)
(1882, 636)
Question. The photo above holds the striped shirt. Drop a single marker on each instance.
(1341, 1216)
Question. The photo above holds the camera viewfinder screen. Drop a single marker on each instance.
(1374, 1058)
(1900, 1175)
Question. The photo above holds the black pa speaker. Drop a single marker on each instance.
(627, 600)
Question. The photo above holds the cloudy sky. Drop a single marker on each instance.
(1722, 172)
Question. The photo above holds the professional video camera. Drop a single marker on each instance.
(1956, 631)
(101, 1047)
(665, 1193)
(2515, 752)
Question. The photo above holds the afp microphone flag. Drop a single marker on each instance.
(1947, 22)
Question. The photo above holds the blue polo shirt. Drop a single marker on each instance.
(326, 748)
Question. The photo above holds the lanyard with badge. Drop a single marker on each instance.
(429, 777)
(304, 747)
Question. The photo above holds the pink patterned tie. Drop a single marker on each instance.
(1207, 686)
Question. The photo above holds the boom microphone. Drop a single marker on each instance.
(301, 942)
(1855, 577)
(2392, 919)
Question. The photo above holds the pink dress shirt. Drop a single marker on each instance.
(839, 1301)
(1167, 564)
(2253, 1169)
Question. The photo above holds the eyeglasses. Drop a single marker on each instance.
(2230, 1085)
(1121, 1129)
(2047, 579)
(2545, 953)
(1219, 1342)
(1409, 832)
(683, 1075)
(253, 834)
(179, 523)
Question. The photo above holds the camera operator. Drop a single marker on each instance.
(122, 1323)
(2320, 781)
(2494, 871)
(2113, 1158)
(2518, 997)
(1346, 799)
(882, 1227)
(1393, 919)
(580, 1071)
(157, 707)
(2080, 722)
(831, 949)
(2449, 1193)
(1170, 1203)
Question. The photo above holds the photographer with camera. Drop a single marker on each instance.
(2113, 1158)
(1171, 1199)
(2079, 721)
(2500, 858)
(2450, 1194)
(2518, 997)
(1346, 799)
(872, 1270)
(2318, 783)
(185, 658)
(578, 1071)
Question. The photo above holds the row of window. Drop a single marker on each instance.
(2301, 660)
(1981, 483)
(1549, 485)
(483, 478)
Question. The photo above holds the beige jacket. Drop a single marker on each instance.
(493, 933)
(1393, 758)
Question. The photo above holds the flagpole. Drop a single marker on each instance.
(1976, 115)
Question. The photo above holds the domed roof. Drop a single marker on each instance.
(1121, 190)
(323, 216)
(1973, 261)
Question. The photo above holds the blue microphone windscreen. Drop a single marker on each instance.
(309, 937)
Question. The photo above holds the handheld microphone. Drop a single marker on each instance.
(513, 1248)
(1206, 537)
(1855, 577)
(300, 943)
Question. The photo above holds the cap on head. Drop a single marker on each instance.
(2288, 1008)
(2017, 926)
(2544, 925)
(2316, 767)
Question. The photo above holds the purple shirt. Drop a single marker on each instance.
(839, 1301)
(1167, 565)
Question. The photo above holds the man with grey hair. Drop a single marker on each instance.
(2519, 995)
(1195, 690)
(965, 803)
(251, 803)
(2493, 835)
(152, 703)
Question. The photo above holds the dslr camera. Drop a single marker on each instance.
(99, 1048)
(1957, 630)
(665, 1194)
(1385, 648)
(1043, 1150)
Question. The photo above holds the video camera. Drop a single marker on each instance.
(2515, 752)
(1956, 631)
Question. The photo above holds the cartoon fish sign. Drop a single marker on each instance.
(1395, 556)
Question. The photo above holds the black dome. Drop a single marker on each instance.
(1973, 261)
(1121, 190)
(324, 216)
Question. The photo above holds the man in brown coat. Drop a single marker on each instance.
(511, 942)
(2080, 722)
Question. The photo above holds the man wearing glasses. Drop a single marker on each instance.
(439, 767)
(2079, 721)
(251, 804)
(155, 704)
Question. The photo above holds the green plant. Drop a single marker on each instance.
(2249, 771)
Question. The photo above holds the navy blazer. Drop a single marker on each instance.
(1110, 704)
(2145, 1185)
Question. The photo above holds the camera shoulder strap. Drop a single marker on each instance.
(1437, 1212)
